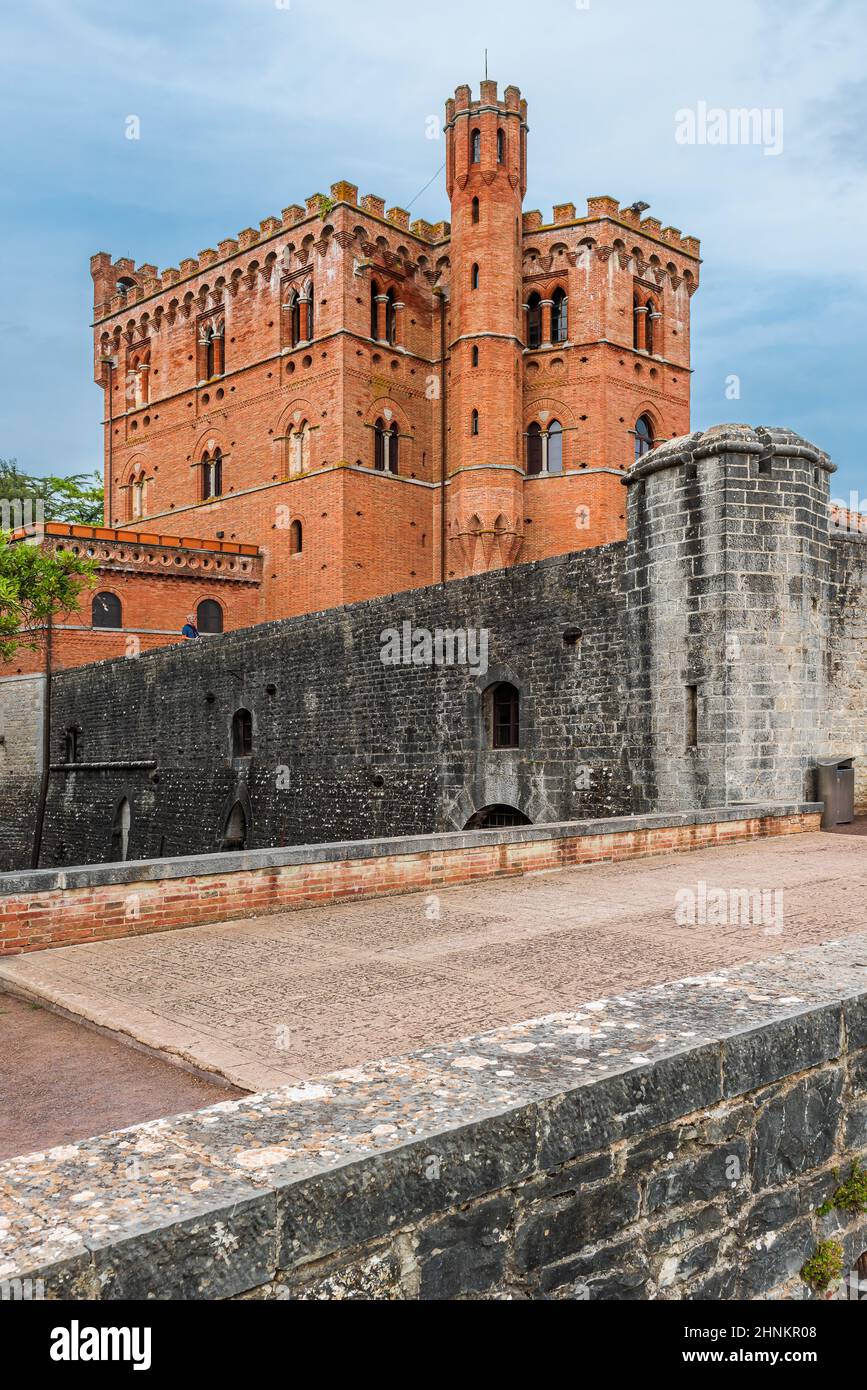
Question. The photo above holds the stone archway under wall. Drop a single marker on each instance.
(496, 817)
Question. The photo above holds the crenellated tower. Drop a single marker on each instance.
(486, 153)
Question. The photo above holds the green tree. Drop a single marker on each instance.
(36, 585)
(76, 498)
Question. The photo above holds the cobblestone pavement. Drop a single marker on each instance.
(274, 999)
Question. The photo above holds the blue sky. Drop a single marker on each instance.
(248, 105)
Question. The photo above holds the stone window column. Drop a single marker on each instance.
(297, 463)
(381, 303)
(525, 323)
(640, 312)
(547, 306)
(399, 308)
(304, 317)
(202, 357)
(219, 352)
(141, 384)
(656, 331)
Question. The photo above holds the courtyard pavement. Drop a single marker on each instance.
(275, 999)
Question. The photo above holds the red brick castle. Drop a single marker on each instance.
(341, 403)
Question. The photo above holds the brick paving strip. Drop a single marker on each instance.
(448, 1169)
(273, 1000)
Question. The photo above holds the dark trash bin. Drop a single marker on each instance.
(835, 779)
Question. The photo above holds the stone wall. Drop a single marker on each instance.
(21, 714)
(845, 727)
(708, 661)
(344, 746)
(679, 1142)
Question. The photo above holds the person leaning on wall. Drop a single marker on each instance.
(189, 629)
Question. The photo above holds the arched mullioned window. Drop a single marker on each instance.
(390, 318)
(374, 311)
(501, 146)
(310, 314)
(386, 447)
(136, 503)
(476, 147)
(643, 436)
(105, 611)
(534, 448)
(138, 388)
(209, 616)
(555, 447)
(534, 320)
(296, 538)
(476, 210)
(474, 277)
(242, 734)
(637, 316)
(212, 474)
(559, 316)
(474, 422)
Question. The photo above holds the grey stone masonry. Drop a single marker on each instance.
(21, 714)
(846, 657)
(727, 608)
(344, 745)
(677, 1142)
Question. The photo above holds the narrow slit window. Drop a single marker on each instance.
(692, 716)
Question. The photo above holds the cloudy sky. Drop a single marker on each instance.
(248, 105)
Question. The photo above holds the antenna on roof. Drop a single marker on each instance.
(486, 65)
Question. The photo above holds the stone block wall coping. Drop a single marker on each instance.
(187, 866)
(215, 1203)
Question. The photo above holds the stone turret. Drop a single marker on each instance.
(486, 164)
(727, 572)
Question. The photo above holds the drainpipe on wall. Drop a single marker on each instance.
(46, 751)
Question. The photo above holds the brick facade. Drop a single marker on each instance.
(279, 353)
